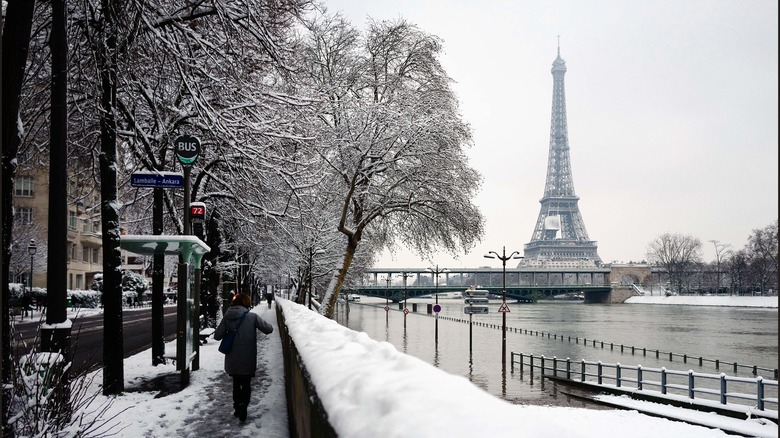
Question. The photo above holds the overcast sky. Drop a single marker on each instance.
(672, 112)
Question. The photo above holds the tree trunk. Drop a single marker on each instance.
(113, 373)
(15, 46)
(334, 289)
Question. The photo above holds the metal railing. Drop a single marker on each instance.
(718, 387)
(634, 350)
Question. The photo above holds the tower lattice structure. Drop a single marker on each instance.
(560, 236)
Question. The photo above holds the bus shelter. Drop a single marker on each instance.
(191, 250)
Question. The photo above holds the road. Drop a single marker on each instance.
(87, 335)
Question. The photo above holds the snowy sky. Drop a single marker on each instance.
(672, 114)
(370, 389)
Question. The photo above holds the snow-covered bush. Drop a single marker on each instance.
(85, 298)
(134, 286)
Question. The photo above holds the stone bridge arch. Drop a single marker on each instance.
(632, 273)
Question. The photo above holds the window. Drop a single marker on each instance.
(23, 215)
(96, 226)
(72, 220)
(73, 251)
(23, 186)
(79, 281)
(85, 226)
(95, 255)
(85, 255)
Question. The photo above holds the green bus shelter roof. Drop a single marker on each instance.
(164, 244)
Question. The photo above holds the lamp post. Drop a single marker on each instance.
(503, 309)
(32, 248)
(436, 271)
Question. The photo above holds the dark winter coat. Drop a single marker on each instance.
(242, 359)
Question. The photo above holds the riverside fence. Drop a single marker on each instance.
(685, 358)
(727, 390)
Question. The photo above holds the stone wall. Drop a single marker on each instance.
(305, 413)
(620, 293)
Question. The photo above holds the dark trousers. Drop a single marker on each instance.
(241, 391)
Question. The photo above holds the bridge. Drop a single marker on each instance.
(522, 284)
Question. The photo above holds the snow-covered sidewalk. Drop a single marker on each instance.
(205, 407)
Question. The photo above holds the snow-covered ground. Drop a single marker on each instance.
(698, 300)
(369, 389)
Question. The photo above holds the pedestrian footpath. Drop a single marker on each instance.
(210, 404)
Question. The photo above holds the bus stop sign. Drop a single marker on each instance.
(187, 149)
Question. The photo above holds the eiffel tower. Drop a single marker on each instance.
(560, 237)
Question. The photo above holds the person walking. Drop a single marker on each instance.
(269, 296)
(241, 361)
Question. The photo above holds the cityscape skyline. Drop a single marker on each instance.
(672, 115)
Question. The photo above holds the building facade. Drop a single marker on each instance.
(85, 245)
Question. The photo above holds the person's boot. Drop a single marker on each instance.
(242, 412)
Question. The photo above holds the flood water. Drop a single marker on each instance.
(747, 336)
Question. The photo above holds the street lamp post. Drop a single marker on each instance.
(436, 271)
(32, 248)
(503, 309)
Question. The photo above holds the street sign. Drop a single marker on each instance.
(476, 300)
(473, 310)
(187, 149)
(387, 309)
(406, 311)
(476, 293)
(503, 307)
(165, 180)
(437, 308)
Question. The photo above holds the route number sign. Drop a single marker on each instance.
(197, 212)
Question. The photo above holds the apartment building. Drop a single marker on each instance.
(85, 254)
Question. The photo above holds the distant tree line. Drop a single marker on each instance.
(752, 270)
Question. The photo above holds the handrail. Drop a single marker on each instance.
(693, 383)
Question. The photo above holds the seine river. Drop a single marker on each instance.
(747, 336)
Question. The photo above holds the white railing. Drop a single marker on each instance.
(758, 391)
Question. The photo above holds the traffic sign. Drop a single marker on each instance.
(406, 311)
(387, 309)
(476, 293)
(503, 307)
(470, 310)
(165, 180)
(437, 308)
(187, 149)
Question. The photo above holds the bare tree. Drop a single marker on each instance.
(762, 248)
(392, 138)
(678, 254)
(721, 251)
(738, 268)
